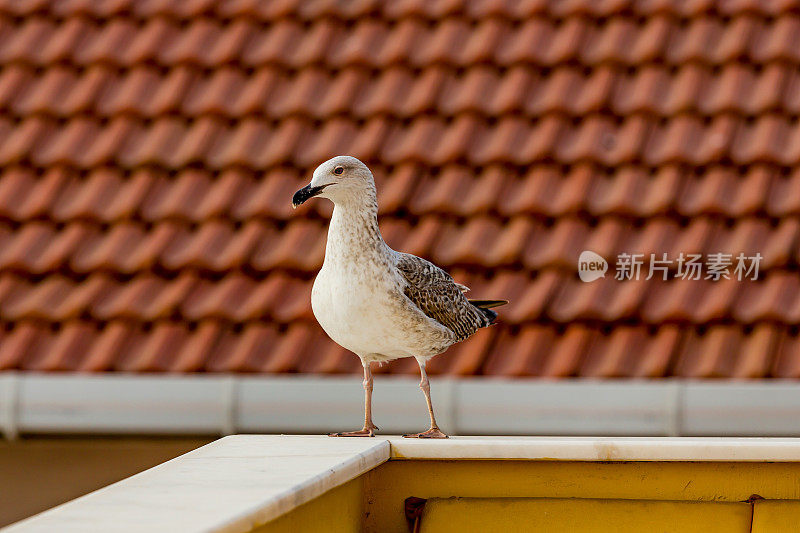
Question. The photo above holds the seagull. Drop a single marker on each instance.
(379, 303)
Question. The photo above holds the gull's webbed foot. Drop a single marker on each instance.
(366, 432)
(433, 433)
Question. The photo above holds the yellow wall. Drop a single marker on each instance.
(340, 509)
(676, 496)
(392, 482)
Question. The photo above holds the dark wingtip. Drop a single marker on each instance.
(488, 304)
(484, 306)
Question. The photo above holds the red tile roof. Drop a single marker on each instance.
(149, 151)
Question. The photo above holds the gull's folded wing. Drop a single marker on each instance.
(435, 293)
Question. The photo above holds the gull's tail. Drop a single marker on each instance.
(486, 308)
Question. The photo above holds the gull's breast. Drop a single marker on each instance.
(361, 313)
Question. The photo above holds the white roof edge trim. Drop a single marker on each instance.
(226, 404)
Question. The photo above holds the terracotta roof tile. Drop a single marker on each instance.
(521, 353)
(631, 352)
(786, 363)
(756, 353)
(155, 351)
(534, 297)
(326, 357)
(711, 353)
(770, 299)
(567, 355)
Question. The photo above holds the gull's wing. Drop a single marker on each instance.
(435, 293)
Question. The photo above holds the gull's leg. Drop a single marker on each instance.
(434, 432)
(367, 430)
(368, 398)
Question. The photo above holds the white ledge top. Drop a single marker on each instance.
(753, 449)
(231, 485)
(242, 481)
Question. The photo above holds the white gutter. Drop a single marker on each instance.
(226, 404)
(8, 405)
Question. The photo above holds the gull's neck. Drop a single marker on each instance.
(353, 233)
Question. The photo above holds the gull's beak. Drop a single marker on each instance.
(305, 193)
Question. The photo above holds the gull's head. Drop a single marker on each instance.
(339, 179)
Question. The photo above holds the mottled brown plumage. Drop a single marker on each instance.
(437, 295)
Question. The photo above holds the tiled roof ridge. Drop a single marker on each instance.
(211, 143)
(280, 296)
(145, 195)
(212, 345)
(396, 10)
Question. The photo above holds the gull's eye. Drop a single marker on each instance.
(338, 170)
